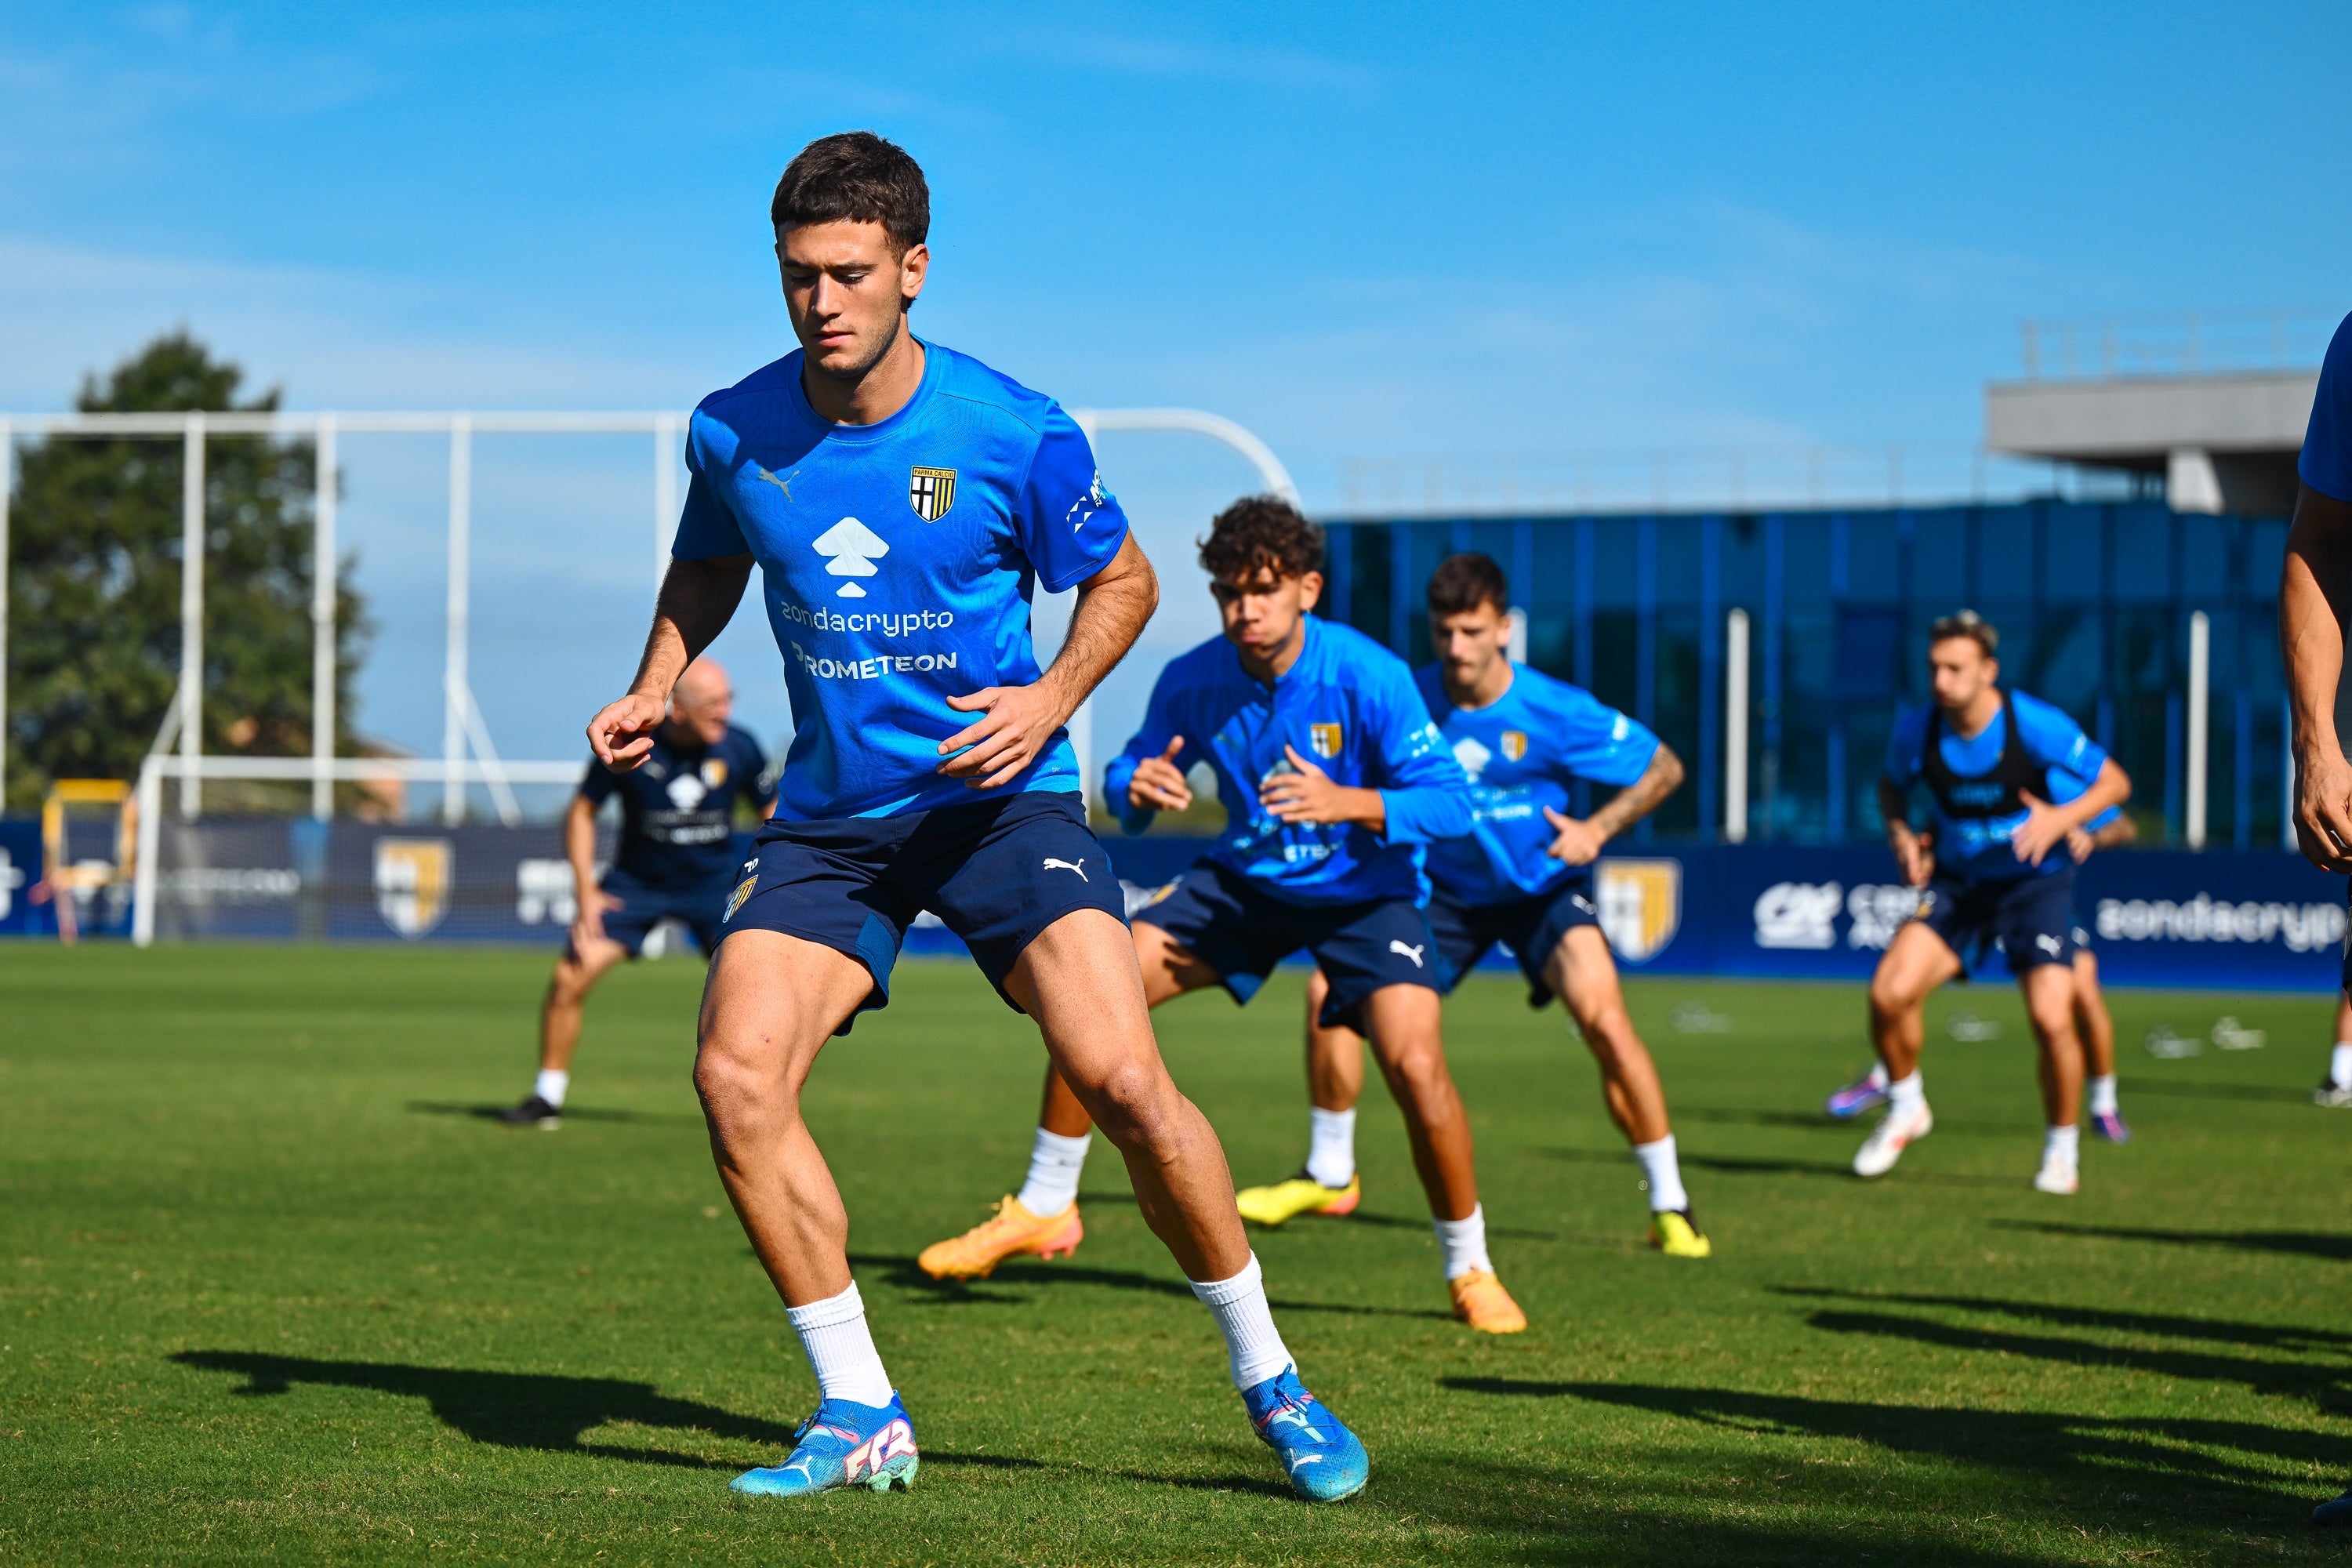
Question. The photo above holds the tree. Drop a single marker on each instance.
(94, 585)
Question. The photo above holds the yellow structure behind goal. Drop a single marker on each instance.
(70, 881)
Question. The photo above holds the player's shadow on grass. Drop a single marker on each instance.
(905, 1274)
(2269, 1336)
(511, 1409)
(571, 1113)
(2329, 1386)
(1732, 1166)
(2275, 1092)
(1816, 1122)
(2068, 1452)
(2300, 1243)
(1381, 1221)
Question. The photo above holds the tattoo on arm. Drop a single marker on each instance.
(1638, 799)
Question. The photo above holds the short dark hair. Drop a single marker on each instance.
(856, 177)
(1462, 583)
(1261, 533)
(1970, 625)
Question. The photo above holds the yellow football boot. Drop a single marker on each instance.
(1675, 1233)
(1480, 1300)
(1013, 1233)
(1301, 1195)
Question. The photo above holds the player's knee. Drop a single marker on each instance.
(1891, 995)
(1418, 1070)
(1133, 1104)
(730, 1082)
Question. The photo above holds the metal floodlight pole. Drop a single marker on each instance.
(192, 610)
(1735, 727)
(323, 568)
(664, 494)
(454, 675)
(2200, 641)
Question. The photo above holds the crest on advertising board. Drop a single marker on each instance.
(1641, 905)
(412, 883)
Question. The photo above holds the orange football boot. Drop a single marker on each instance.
(1480, 1300)
(1014, 1232)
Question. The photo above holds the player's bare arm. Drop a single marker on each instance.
(2314, 598)
(1311, 795)
(2046, 825)
(1579, 841)
(590, 901)
(697, 599)
(1913, 856)
(1018, 722)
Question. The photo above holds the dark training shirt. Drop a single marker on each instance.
(678, 808)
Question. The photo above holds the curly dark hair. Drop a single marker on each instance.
(856, 177)
(1261, 533)
(1462, 583)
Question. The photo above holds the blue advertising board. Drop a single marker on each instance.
(20, 869)
(2222, 919)
(2219, 919)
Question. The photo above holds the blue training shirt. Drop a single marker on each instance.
(677, 807)
(1348, 706)
(1977, 848)
(897, 559)
(1521, 753)
(2326, 461)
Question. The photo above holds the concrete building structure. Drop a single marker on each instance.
(2211, 407)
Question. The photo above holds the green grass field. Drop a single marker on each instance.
(272, 1291)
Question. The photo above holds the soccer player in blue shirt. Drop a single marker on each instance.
(2314, 614)
(674, 860)
(1994, 869)
(1523, 876)
(2094, 1026)
(902, 502)
(1333, 779)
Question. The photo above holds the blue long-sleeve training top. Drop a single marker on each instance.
(1349, 707)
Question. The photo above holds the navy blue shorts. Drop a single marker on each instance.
(996, 872)
(1242, 932)
(645, 905)
(2030, 917)
(1530, 928)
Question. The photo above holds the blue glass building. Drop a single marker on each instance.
(2093, 600)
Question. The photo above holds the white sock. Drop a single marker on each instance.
(1331, 1146)
(1463, 1242)
(840, 1350)
(1905, 1095)
(2063, 1144)
(551, 1084)
(1238, 1304)
(2339, 1064)
(2103, 1095)
(1055, 1163)
(1664, 1175)
(1878, 1074)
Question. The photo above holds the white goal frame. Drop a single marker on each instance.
(177, 751)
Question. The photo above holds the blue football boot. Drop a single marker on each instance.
(2334, 1514)
(842, 1445)
(1322, 1458)
(1864, 1093)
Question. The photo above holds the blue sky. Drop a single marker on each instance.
(1414, 230)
